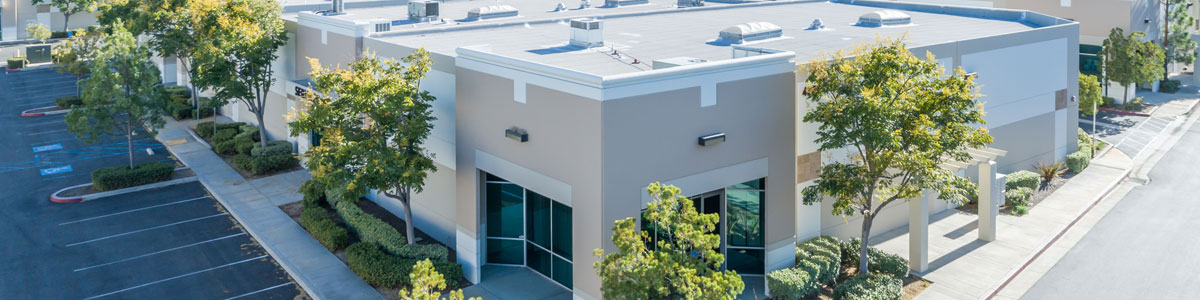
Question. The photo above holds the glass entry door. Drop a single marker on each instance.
(527, 229)
(740, 225)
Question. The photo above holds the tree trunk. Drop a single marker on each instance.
(262, 130)
(1125, 93)
(66, 21)
(405, 199)
(862, 248)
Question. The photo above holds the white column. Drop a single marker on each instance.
(918, 232)
(987, 209)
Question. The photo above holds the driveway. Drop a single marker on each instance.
(167, 243)
(1144, 247)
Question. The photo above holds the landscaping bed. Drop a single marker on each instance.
(826, 268)
(364, 252)
(237, 144)
(179, 105)
(91, 189)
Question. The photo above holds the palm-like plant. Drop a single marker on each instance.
(1050, 171)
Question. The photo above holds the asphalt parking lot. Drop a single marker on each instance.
(167, 243)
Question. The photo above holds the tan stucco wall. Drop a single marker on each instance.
(1096, 17)
(337, 50)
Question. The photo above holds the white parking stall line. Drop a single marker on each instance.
(45, 132)
(260, 291)
(132, 210)
(172, 278)
(160, 252)
(147, 229)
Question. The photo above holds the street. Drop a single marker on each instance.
(1143, 248)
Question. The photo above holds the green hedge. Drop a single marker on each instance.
(248, 132)
(877, 260)
(243, 145)
(58, 34)
(271, 163)
(1077, 161)
(314, 193)
(1169, 86)
(178, 92)
(273, 148)
(1018, 196)
(317, 221)
(817, 261)
(234, 146)
(433, 252)
(241, 161)
(204, 129)
(68, 101)
(17, 62)
(223, 135)
(111, 178)
(370, 229)
(1023, 178)
(381, 269)
(870, 287)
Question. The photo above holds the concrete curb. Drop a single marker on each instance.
(29, 113)
(1012, 274)
(1121, 112)
(197, 137)
(76, 199)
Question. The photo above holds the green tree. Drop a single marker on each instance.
(426, 284)
(234, 61)
(1089, 94)
(1128, 60)
(373, 133)
(1177, 40)
(70, 7)
(74, 56)
(679, 261)
(171, 26)
(37, 31)
(123, 99)
(899, 119)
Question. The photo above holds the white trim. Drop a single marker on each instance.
(715, 179)
(467, 249)
(529, 179)
(518, 90)
(708, 94)
(557, 83)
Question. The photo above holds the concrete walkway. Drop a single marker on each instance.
(963, 267)
(255, 205)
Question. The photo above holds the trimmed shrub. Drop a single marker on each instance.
(178, 92)
(1020, 210)
(58, 34)
(271, 163)
(1169, 86)
(1017, 196)
(181, 111)
(316, 220)
(381, 269)
(243, 145)
(204, 129)
(223, 135)
(17, 62)
(877, 261)
(273, 148)
(1077, 161)
(433, 252)
(225, 147)
(235, 126)
(1133, 104)
(111, 178)
(1023, 178)
(247, 132)
(68, 101)
(314, 193)
(790, 283)
(241, 161)
(370, 229)
(869, 287)
(818, 261)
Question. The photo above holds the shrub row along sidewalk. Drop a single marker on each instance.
(819, 263)
(242, 142)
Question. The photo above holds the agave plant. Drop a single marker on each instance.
(1050, 171)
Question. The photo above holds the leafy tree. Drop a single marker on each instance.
(1089, 94)
(1128, 60)
(683, 262)
(70, 7)
(74, 56)
(1177, 40)
(898, 118)
(426, 282)
(37, 31)
(372, 134)
(123, 99)
(171, 26)
(235, 59)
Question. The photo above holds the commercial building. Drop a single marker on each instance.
(15, 15)
(552, 119)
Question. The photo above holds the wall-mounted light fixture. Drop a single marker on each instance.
(712, 139)
(517, 134)
(1146, 21)
(972, 75)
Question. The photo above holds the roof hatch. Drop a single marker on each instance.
(492, 11)
(881, 18)
(751, 32)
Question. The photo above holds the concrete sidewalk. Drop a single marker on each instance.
(255, 205)
(963, 267)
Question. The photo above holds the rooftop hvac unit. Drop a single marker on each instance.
(881, 18)
(492, 11)
(423, 10)
(587, 33)
(339, 7)
(690, 3)
(383, 26)
(751, 32)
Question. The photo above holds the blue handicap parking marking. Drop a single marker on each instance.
(47, 148)
(56, 170)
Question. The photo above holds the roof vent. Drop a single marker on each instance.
(492, 11)
(689, 3)
(752, 31)
(339, 7)
(881, 18)
(423, 10)
(587, 33)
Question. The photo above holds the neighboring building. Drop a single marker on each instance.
(1098, 17)
(542, 141)
(16, 14)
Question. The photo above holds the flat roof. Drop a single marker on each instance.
(658, 30)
